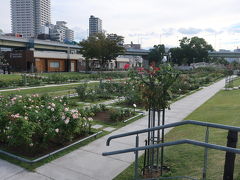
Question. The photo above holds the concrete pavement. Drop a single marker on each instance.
(87, 163)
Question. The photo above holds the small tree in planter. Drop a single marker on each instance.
(155, 84)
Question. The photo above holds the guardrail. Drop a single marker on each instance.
(231, 149)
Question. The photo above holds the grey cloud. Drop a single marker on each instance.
(143, 34)
(210, 30)
(189, 31)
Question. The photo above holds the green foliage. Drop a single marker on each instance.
(218, 60)
(187, 160)
(132, 95)
(81, 90)
(106, 90)
(102, 48)
(154, 84)
(7, 81)
(118, 115)
(192, 80)
(91, 94)
(32, 122)
(156, 54)
(191, 51)
(10, 80)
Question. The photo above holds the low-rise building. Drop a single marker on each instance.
(43, 61)
(132, 46)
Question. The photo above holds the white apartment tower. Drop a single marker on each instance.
(60, 32)
(95, 25)
(28, 16)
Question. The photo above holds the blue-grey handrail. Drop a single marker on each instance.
(185, 141)
(188, 122)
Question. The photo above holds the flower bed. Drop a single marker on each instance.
(34, 125)
(109, 115)
(104, 91)
(7, 81)
(186, 82)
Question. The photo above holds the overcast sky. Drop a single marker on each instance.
(150, 21)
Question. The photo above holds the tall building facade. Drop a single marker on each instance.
(60, 32)
(95, 25)
(28, 16)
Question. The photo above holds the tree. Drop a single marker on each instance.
(195, 49)
(176, 55)
(191, 51)
(156, 54)
(219, 60)
(101, 48)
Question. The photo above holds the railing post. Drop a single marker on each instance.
(163, 140)
(205, 155)
(136, 159)
(230, 157)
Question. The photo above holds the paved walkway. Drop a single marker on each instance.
(45, 86)
(53, 85)
(87, 163)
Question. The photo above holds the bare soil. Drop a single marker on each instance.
(38, 152)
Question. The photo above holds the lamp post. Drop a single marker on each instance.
(169, 57)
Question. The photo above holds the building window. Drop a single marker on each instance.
(54, 64)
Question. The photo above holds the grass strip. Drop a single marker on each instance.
(187, 160)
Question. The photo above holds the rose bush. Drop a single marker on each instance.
(36, 121)
(116, 115)
(155, 85)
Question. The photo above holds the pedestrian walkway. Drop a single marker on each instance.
(87, 163)
(53, 85)
(45, 86)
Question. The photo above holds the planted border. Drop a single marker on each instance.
(50, 154)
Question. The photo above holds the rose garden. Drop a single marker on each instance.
(37, 122)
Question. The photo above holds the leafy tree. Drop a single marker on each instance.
(235, 65)
(102, 48)
(1, 31)
(176, 55)
(191, 51)
(219, 60)
(156, 54)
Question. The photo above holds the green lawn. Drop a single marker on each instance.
(60, 90)
(52, 91)
(223, 108)
(236, 82)
(10, 77)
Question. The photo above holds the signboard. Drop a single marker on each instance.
(16, 55)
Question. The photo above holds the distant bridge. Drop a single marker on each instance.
(137, 52)
(47, 45)
(224, 54)
(22, 43)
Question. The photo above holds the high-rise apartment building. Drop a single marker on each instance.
(95, 25)
(28, 16)
(60, 32)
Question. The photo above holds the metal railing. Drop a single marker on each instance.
(205, 144)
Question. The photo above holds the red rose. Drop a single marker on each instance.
(156, 69)
(126, 66)
(140, 69)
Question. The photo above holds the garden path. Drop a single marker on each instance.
(53, 85)
(87, 163)
(45, 86)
